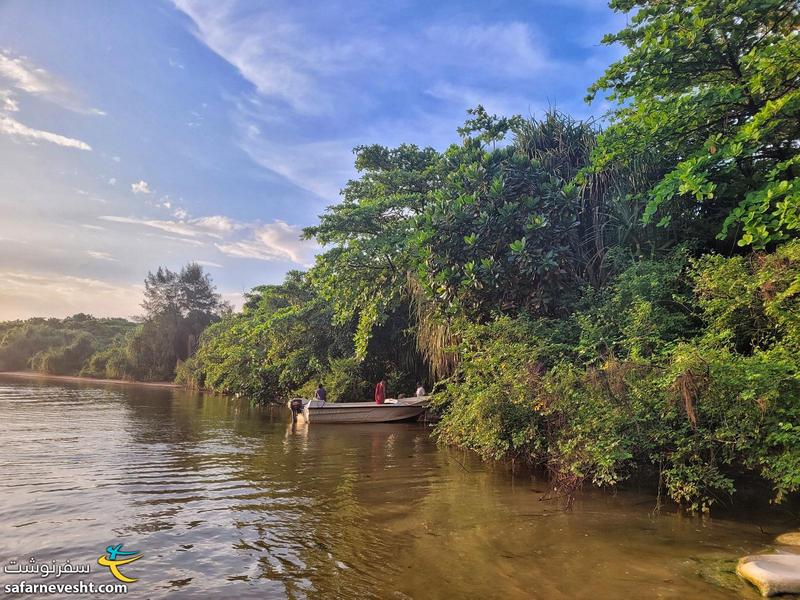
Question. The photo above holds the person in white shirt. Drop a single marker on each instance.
(420, 391)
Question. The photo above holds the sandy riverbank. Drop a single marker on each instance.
(75, 379)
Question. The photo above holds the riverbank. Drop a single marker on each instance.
(76, 379)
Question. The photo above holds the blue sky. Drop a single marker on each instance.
(139, 134)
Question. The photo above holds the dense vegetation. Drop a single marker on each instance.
(596, 302)
(57, 346)
(178, 307)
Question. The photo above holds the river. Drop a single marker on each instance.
(227, 500)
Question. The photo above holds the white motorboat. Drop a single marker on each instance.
(394, 409)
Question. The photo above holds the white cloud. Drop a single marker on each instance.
(112, 181)
(24, 295)
(208, 263)
(215, 226)
(16, 129)
(176, 227)
(217, 223)
(286, 63)
(506, 48)
(25, 76)
(305, 74)
(180, 214)
(141, 187)
(322, 168)
(276, 241)
(101, 255)
(7, 101)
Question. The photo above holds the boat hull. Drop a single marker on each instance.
(361, 412)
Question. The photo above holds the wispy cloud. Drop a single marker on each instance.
(101, 255)
(217, 223)
(304, 72)
(507, 48)
(277, 241)
(321, 167)
(27, 77)
(141, 187)
(24, 75)
(184, 228)
(208, 263)
(17, 130)
(8, 102)
(272, 242)
(284, 63)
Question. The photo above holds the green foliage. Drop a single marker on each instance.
(57, 346)
(65, 360)
(645, 310)
(283, 338)
(363, 275)
(501, 231)
(345, 381)
(700, 387)
(489, 406)
(179, 307)
(713, 88)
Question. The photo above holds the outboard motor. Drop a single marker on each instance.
(296, 404)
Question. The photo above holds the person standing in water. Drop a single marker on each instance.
(380, 392)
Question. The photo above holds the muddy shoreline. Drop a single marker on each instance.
(76, 379)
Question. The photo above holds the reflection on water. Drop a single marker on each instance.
(228, 500)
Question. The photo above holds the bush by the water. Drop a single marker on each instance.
(697, 385)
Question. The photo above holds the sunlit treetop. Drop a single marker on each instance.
(713, 86)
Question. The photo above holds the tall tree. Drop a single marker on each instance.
(179, 306)
(188, 291)
(714, 85)
(502, 233)
(364, 272)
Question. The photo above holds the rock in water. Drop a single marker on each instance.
(789, 539)
(772, 573)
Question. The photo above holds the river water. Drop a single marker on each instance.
(226, 500)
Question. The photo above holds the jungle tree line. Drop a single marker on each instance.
(596, 302)
(178, 306)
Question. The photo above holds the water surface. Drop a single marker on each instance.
(226, 500)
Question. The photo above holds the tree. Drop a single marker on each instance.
(364, 273)
(188, 291)
(502, 233)
(714, 86)
(283, 338)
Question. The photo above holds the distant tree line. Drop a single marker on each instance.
(57, 346)
(178, 307)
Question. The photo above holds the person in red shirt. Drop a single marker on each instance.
(380, 392)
